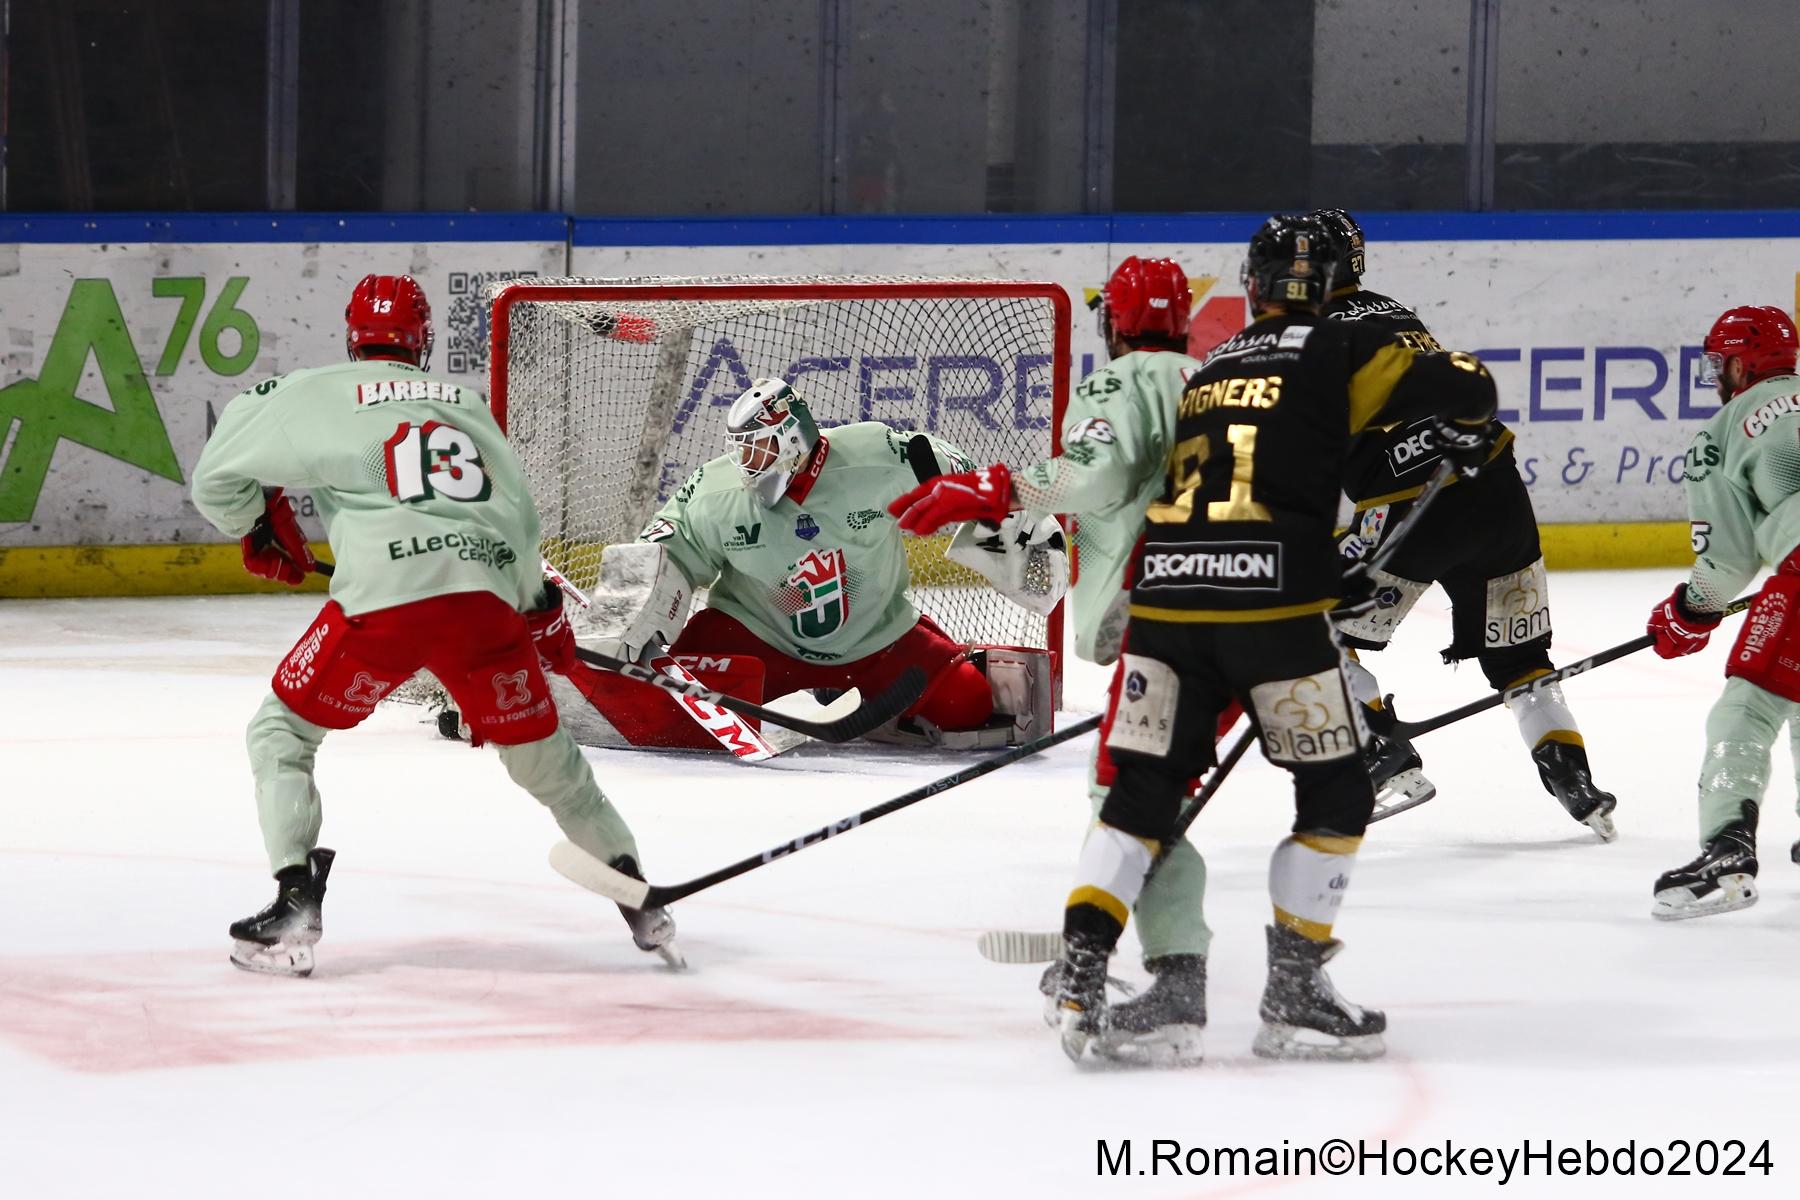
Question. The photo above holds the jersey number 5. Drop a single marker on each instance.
(1184, 480)
(434, 459)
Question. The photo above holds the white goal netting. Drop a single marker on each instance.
(613, 391)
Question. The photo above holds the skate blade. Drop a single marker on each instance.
(1073, 1033)
(1681, 904)
(1019, 946)
(1295, 1043)
(1602, 825)
(1408, 789)
(1165, 1047)
(287, 958)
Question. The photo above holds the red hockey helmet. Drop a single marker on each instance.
(1761, 335)
(388, 310)
(1146, 297)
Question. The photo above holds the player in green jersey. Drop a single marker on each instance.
(1743, 486)
(435, 542)
(1117, 433)
(806, 576)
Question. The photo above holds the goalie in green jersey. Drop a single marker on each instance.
(806, 578)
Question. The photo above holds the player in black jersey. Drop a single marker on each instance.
(1479, 540)
(1232, 583)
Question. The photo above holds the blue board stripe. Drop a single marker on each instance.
(1003, 229)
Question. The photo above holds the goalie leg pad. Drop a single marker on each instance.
(618, 711)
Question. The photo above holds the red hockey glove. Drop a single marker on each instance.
(550, 632)
(275, 548)
(1678, 629)
(984, 495)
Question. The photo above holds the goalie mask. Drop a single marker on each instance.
(771, 432)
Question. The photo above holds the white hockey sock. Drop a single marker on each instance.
(1111, 870)
(1364, 687)
(1308, 874)
(1542, 713)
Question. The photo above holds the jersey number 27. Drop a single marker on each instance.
(434, 459)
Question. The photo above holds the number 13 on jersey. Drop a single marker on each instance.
(1184, 480)
(434, 459)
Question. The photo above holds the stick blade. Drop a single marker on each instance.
(880, 709)
(1019, 946)
(581, 868)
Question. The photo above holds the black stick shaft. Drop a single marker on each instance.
(987, 766)
(1412, 729)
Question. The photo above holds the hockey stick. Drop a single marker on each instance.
(878, 710)
(723, 726)
(1023, 946)
(579, 867)
(1412, 729)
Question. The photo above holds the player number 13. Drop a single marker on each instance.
(434, 459)
(1184, 480)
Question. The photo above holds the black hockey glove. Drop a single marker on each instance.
(1466, 445)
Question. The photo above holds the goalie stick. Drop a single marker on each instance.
(577, 866)
(878, 710)
(720, 724)
(694, 697)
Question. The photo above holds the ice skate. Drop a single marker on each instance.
(1303, 1015)
(1081, 994)
(1161, 1027)
(1051, 979)
(1397, 774)
(1720, 880)
(1563, 766)
(653, 929)
(279, 940)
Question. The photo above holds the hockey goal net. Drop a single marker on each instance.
(613, 391)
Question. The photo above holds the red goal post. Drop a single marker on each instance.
(613, 391)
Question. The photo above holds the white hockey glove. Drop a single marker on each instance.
(1026, 561)
(640, 603)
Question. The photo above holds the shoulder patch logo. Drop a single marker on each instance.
(805, 527)
(659, 530)
(1090, 429)
(862, 518)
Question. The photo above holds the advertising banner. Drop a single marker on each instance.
(124, 336)
(1594, 342)
(119, 354)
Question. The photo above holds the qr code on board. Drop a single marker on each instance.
(465, 326)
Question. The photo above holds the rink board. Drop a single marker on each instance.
(126, 336)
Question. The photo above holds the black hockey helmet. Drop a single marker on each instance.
(1291, 261)
(1350, 244)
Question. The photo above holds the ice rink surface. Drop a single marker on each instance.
(479, 1027)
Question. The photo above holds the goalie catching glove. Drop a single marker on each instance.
(1026, 561)
(983, 495)
(275, 548)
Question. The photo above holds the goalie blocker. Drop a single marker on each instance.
(978, 696)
